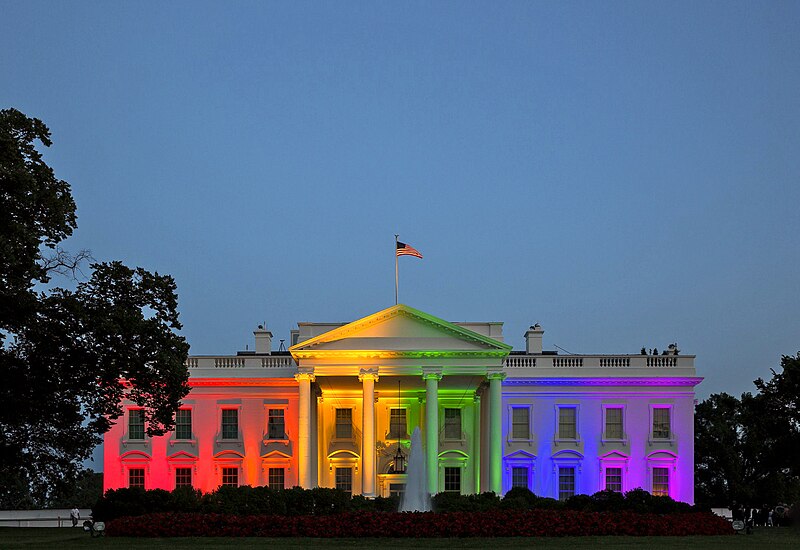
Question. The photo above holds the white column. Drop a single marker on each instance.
(305, 460)
(496, 432)
(368, 377)
(432, 428)
(476, 441)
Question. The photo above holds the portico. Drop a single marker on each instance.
(425, 354)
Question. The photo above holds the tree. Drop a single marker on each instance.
(746, 449)
(82, 492)
(68, 357)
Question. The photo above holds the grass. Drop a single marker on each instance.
(65, 539)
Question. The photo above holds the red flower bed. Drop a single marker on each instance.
(533, 523)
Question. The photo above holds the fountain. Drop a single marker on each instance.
(416, 497)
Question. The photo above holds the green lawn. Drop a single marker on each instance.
(64, 539)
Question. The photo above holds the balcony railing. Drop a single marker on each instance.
(514, 361)
(521, 361)
(240, 362)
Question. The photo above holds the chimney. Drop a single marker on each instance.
(533, 339)
(263, 340)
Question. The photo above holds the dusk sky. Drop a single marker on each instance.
(624, 173)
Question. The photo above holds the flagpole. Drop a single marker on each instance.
(396, 271)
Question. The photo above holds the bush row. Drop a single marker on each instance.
(244, 500)
(322, 501)
(493, 523)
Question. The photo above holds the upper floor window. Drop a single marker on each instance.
(136, 424)
(397, 424)
(661, 423)
(567, 423)
(183, 424)
(452, 423)
(230, 423)
(276, 424)
(344, 423)
(520, 423)
(614, 428)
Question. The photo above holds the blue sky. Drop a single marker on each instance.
(625, 173)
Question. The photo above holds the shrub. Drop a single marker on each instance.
(495, 523)
(331, 501)
(321, 501)
(455, 502)
(581, 502)
(131, 502)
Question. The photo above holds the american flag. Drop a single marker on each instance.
(404, 249)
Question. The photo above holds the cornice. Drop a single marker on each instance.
(265, 381)
(606, 381)
(395, 354)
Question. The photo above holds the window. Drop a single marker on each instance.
(183, 424)
(344, 424)
(276, 425)
(276, 478)
(230, 477)
(136, 424)
(136, 477)
(183, 477)
(452, 424)
(397, 424)
(614, 428)
(567, 423)
(520, 423)
(566, 482)
(230, 424)
(452, 477)
(614, 479)
(397, 490)
(519, 477)
(661, 481)
(344, 477)
(661, 424)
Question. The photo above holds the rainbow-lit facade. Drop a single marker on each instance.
(333, 410)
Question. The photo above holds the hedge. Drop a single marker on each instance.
(319, 501)
(493, 523)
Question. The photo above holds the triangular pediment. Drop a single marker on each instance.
(520, 455)
(400, 330)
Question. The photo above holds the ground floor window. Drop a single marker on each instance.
(519, 477)
(230, 477)
(344, 479)
(566, 482)
(397, 490)
(452, 480)
(136, 477)
(183, 477)
(661, 482)
(276, 478)
(614, 479)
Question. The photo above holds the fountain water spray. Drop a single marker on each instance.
(416, 497)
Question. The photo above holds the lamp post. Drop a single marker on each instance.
(399, 460)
